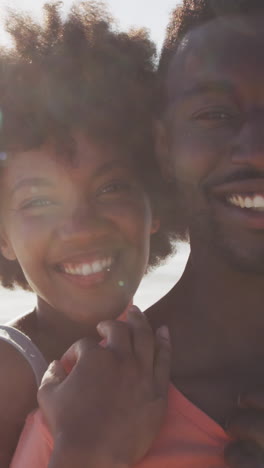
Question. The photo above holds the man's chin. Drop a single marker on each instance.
(244, 257)
(241, 251)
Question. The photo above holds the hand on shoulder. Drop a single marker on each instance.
(246, 427)
(113, 401)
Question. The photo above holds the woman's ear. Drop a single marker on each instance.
(6, 247)
(162, 150)
(155, 225)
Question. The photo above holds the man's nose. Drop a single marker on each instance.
(248, 146)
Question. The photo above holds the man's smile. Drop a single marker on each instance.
(240, 201)
(253, 202)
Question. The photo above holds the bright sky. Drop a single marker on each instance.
(152, 14)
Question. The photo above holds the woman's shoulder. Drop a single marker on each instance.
(20, 337)
(18, 391)
(18, 382)
(17, 377)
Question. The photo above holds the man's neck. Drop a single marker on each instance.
(220, 313)
(216, 322)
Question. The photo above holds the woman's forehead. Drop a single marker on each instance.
(88, 157)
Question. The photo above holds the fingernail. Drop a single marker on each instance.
(53, 364)
(163, 332)
(135, 310)
(101, 327)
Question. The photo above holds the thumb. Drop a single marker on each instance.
(54, 376)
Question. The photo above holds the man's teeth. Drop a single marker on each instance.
(86, 269)
(255, 202)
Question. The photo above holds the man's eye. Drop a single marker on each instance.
(115, 188)
(214, 115)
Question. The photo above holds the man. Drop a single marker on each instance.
(211, 139)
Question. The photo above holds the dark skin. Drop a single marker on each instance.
(211, 137)
(23, 399)
(215, 87)
(58, 220)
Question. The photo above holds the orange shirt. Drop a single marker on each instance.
(188, 439)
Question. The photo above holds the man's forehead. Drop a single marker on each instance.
(217, 41)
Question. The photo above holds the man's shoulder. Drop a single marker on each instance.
(159, 313)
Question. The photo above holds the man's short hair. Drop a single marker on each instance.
(194, 13)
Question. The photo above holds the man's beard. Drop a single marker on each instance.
(240, 254)
(242, 251)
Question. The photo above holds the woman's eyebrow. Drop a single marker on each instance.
(29, 181)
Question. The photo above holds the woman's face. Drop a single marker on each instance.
(79, 228)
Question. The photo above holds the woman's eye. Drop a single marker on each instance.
(37, 203)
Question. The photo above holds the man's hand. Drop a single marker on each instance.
(247, 428)
(113, 401)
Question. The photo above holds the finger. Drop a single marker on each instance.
(117, 336)
(162, 361)
(248, 424)
(143, 338)
(79, 350)
(54, 376)
(241, 454)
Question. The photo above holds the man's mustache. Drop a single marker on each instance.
(234, 176)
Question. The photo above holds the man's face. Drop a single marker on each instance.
(214, 126)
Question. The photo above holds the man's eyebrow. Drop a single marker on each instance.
(205, 87)
(31, 181)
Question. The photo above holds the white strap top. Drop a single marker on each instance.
(26, 347)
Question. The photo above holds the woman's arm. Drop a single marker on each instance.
(110, 407)
(18, 392)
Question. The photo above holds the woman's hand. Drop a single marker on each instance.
(111, 405)
(246, 427)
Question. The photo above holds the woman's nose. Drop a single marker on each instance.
(82, 223)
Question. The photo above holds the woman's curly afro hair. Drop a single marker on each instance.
(81, 73)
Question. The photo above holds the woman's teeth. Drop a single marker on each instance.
(253, 202)
(86, 269)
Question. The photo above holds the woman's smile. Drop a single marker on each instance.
(79, 229)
